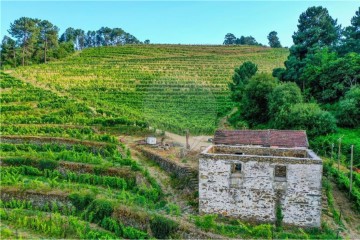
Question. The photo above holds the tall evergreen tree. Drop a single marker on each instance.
(274, 41)
(351, 42)
(240, 79)
(229, 39)
(25, 30)
(316, 30)
(48, 36)
(8, 51)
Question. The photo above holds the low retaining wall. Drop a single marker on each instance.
(37, 199)
(181, 172)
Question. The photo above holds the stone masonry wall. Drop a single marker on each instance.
(257, 191)
(188, 174)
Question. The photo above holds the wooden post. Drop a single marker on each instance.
(339, 153)
(187, 139)
(351, 167)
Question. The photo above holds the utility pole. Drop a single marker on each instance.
(351, 167)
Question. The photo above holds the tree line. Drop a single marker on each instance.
(317, 89)
(34, 40)
(231, 39)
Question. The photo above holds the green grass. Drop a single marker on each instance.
(322, 145)
(172, 87)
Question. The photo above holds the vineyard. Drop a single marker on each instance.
(62, 177)
(171, 87)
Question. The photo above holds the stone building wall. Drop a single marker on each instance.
(254, 192)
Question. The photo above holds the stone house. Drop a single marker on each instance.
(249, 174)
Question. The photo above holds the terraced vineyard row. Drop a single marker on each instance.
(171, 87)
(68, 181)
(63, 177)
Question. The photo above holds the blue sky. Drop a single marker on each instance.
(185, 22)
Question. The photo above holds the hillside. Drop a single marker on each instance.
(66, 175)
(171, 87)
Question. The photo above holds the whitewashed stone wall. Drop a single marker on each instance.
(255, 195)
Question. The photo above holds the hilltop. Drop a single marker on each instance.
(171, 87)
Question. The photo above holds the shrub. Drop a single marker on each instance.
(279, 215)
(348, 113)
(112, 225)
(81, 201)
(206, 222)
(47, 164)
(98, 209)
(283, 97)
(307, 116)
(17, 161)
(254, 102)
(132, 233)
(262, 231)
(162, 227)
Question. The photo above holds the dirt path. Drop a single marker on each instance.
(349, 217)
(162, 177)
(196, 142)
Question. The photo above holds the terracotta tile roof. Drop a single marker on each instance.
(280, 138)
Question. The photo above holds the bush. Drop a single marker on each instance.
(98, 209)
(254, 102)
(81, 201)
(162, 227)
(112, 225)
(206, 222)
(283, 97)
(307, 116)
(279, 215)
(17, 161)
(47, 164)
(348, 113)
(132, 233)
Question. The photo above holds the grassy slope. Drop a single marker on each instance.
(173, 87)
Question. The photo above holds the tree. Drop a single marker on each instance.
(117, 36)
(147, 41)
(48, 36)
(283, 97)
(240, 79)
(316, 28)
(274, 40)
(351, 42)
(90, 39)
(254, 102)
(249, 40)
(105, 35)
(328, 77)
(307, 116)
(76, 36)
(68, 36)
(348, 113)
(229, 39)
(25, 30)
(8, 51)
(63, 50)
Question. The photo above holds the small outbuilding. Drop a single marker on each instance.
(250, 174)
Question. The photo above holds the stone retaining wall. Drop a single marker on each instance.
(181, 172)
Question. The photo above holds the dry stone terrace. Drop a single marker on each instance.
(251, 182)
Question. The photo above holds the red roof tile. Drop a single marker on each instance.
(279, 138)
